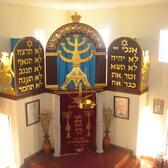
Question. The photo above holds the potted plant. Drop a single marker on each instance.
(45, 118)
(107, 117)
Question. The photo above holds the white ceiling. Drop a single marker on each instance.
(83, 4)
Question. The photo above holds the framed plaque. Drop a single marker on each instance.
(121, 107)
(32, 112)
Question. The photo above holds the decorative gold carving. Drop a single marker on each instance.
(78, 123)
(75, 18)
(67, 116)
(88, 125)
(7, 73)
(145, 69)
(76, 75)
(72, 28)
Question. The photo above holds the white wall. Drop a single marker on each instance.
(8, 107)
(20, 21)
(31, 137)
(124, 132)
(150, 131)
(27, 140)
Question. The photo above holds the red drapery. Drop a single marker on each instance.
(78, 126)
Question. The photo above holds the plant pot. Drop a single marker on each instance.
(106, 140)
(47, 145)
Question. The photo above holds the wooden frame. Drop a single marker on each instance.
(121, 107)
(32, 112)
(158, 106)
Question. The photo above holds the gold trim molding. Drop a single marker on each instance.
(50, 54)
(100, 53)
(52, 86)
(100, 84)
(74, 28)
(55, 54)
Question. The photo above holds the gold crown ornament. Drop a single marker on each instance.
(75, 18)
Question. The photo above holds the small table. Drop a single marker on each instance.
(160, 162)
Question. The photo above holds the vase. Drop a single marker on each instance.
(47, 145)
(106, 140)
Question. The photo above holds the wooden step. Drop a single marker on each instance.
(123, 161)
(111, 158)
(147, 161)
(132, 163)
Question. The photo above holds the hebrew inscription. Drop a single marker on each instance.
(29, 65)
(124, 65)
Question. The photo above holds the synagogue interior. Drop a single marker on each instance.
(83, 84)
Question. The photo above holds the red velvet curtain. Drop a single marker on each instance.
(78, 126)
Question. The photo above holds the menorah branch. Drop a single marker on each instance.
(86, 49)
(84, 39)
(88, 58)
(65, 49)
(70, 43)
(63, 58)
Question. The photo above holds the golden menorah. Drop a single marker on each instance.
(76, 74)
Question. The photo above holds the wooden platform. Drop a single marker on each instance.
(112, 158)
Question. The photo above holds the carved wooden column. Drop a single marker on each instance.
(99, 123)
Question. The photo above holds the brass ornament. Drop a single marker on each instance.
(7, 73)
(84, 102)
